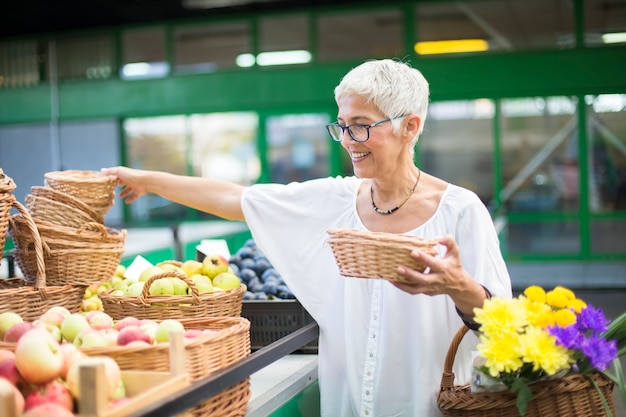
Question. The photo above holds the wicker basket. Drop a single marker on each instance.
(158, 307)
(6, 202)
(204, 355)
(88, 235)
(92, 187)
(56, 212)
(31, 300)
(68, 200)
(376, 254)
(572, 396)
(68, 261)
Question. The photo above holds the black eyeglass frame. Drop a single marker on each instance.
(364, 126)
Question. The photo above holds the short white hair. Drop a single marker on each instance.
(393, 86)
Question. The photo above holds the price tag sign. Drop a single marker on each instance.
(210, 247)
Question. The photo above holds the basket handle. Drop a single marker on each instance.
(94, 227)
(447, 379)
(145, 293)
(40, 281)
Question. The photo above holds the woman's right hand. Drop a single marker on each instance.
(131, 181)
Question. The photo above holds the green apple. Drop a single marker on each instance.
(166, 327)
(226, 281)
(162, 286)
(172, 267)
(73, 325)
(7, 320)
(123, 285)
(148, 272)
(119, 271)
(214, 265)
(191, 267)
(134, 289)
(203, 283)
(180, 286)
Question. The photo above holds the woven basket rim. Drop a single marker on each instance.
(62, 209)
(67, 199)
(380, 237)
(80, 176)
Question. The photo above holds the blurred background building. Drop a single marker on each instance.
(528, 105)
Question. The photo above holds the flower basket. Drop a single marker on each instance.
(89, 254)
(572, 396)
(31, 299)
(204, 355)
(376, 254)
(158, 307)
(92, 187)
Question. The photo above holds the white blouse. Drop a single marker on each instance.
(381, 350)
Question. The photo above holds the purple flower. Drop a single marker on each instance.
(593, 319)
(568, 337)
(599, 351)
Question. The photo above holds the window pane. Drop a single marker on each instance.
(143, 53)
(358, 35)
(540, 154)
(85, 57)
(210, 48)
(606, 122)
(156, 143)
(283, 33)
(543, 238)
(506, 25)
(457, 144)
(224, 146)
(298, 147)
(605, 22)
(607, 236)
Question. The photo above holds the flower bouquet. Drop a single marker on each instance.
(547, 336)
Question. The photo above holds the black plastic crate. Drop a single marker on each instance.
(272, 320)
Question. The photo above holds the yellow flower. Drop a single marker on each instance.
(501, 315)
(564, 317)
(501, 353)
(539, 348)
(576, 304)
(558, 297)
(535, 293)
(539, 314)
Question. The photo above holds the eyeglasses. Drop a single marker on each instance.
(358, 132)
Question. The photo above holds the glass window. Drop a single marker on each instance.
(605, 22)
(283, 33)
(607, 236)
(298, 147)
(224, 145)
(606, 124)
(543, 237)
(359, 35)
(156, 143)
(19, 63)
(83, 57)
(143, 53)
(457, 144)
(540, 154)
(210, 48)
(505, 25)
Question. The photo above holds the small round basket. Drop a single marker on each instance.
(157, 307)
(57, 212)
(66, 199)
(31, 298)
(376, 254)
(92, 187)
(228, 342)
(572, 396)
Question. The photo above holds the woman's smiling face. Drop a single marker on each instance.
(378, 153)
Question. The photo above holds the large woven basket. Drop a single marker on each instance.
(7, 200)
(158, 307)
(92, 187)
(31, 300)
(571, 396)
(376, 254)
(72, 260)
(204, 355)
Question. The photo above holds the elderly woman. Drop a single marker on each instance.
(382, 344)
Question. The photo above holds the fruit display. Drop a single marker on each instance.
(255, 270)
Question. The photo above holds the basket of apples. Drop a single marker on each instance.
(174, 289)
(42, 375)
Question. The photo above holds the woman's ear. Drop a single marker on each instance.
(412, 126)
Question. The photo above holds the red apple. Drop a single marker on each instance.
(191, 333)
(7, 320)
(130, 334)
(54, 317)
(213, 265)
(99, 320)
(110, 335)
(52, 392)
(6, 353)
(16, 331)
(38, 357)
(126, 321)
(7, 386)
(9, 371)
(48, 410)
(71, 353)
